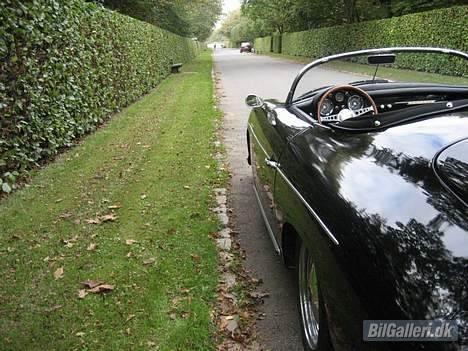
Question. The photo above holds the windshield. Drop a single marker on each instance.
(382, 66)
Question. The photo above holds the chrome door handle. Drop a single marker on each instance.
(271, 163)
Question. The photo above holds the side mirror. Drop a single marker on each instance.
(254, 101)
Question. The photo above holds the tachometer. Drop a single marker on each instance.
(327, 107)
(339, 96)
(355, 102)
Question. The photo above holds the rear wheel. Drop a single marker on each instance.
(311, 308)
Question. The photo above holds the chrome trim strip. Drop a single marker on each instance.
(267, 224)
(258, 141)
(311, 210)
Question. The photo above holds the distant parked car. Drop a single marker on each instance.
(246, 47)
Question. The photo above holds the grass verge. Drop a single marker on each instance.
(128, 207)
(384, 72)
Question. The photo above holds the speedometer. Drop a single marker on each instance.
(327, 107)
(355, 102)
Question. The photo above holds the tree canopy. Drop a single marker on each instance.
(297, 15)
(190, 18)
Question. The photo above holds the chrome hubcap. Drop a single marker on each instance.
(308, 298)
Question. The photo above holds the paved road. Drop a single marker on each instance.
(240, 75)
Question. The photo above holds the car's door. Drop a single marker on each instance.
(271, 127)
(265, 150)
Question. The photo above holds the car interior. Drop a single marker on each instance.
(378, 103)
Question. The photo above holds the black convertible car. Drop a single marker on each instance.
(364, 192)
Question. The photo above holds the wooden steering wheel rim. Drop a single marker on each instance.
(348, 88)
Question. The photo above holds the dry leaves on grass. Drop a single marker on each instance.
(111, 217)
(58, 274)
(94, 287)
(149, 261)
(82, 293)
(130, 241)
(70, 242)
(196, 258)
(91, 247)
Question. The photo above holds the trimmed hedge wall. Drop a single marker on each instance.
(65, 67)
(276, 42)
(263, 45)
(442, 28)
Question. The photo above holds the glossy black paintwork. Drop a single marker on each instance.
(452, 167)
(402, 249)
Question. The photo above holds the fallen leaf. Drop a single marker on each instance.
(130, 241)
(80, 334)
(108, 218)
(149, 261)
(258, 295)
(82, 293)
(104, 288)
(90, 284)
(196, 258)
(186, 187)
(91, 247)
(58, 274)
(144, 196)
(93, 221)
(130, 317)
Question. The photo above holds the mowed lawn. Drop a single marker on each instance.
(128, 207)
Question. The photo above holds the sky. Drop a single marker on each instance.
(230, 5)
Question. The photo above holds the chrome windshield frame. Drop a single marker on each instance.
(318, 62)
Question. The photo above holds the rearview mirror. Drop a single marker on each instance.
(254, 101)
(381, 59)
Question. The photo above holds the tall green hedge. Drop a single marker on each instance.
(263, 45)
(65, 67)
(276, 43)
(442, 28)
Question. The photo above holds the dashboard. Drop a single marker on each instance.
(326, 104)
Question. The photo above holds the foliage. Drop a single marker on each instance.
(299, 15)
(152, 170)
(276, 43)
(238, 28)
(65, 67)
(263, 45)
(195, 18)
(429, 28)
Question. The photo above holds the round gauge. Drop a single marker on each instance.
(327, 107)
(339, 96)
(355, 102)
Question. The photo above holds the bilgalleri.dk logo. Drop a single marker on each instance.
(410, 330)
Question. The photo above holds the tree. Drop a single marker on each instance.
(195, 18)
(296, 15)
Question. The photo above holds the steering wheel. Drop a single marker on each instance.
(349, 112)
